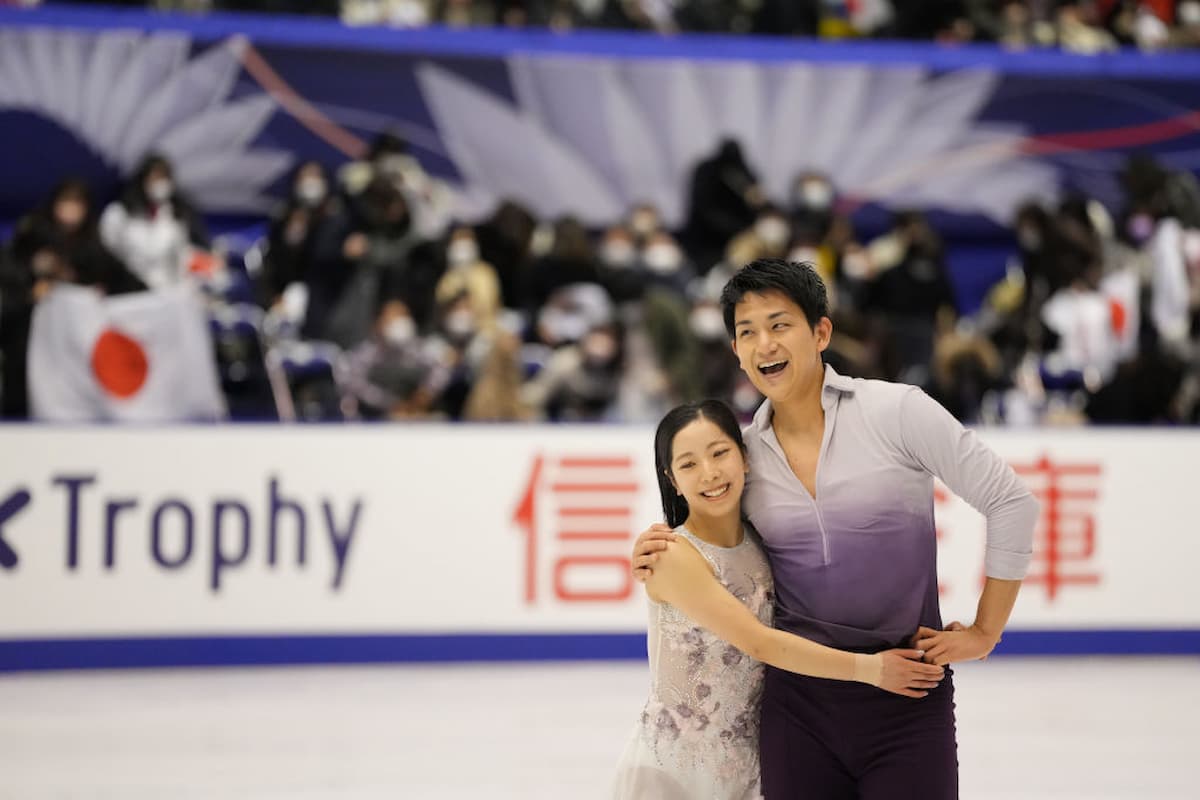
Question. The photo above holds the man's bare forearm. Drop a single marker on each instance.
(995, 606)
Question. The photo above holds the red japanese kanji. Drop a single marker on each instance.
(1065, 539)
(587, 502)
(940, 498)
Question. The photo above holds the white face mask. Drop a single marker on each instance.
(563, 326)
(460, 324)
(663, 259)
(707, 323)
(159, 190)
(815, 195)
(773, 231)
(856, 265)
(618, 253)
(400, 331)
(542, 240)
(462, 252)
(392, 166)
(311, 191)
(804, 254)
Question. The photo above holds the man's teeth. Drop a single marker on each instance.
(716, 492)
(772, 366)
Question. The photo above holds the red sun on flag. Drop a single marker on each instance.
(119, 364)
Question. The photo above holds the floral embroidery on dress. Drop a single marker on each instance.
(700, 725)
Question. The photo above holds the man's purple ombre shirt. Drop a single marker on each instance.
(856, 568)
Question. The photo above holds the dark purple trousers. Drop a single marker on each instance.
(835, 740)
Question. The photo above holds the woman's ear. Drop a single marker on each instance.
(674, 485)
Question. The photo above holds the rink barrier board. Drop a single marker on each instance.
(249, 549)
(223, 651)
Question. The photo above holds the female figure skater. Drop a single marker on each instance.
(710, 627)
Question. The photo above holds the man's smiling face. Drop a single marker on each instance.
(776, 345)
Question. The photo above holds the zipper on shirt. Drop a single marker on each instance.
(820, 525)
(830, 420)
(778, 448)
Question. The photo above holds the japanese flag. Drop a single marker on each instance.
(144, 357)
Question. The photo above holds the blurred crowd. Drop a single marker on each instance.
(1083, 26)
(367, 299)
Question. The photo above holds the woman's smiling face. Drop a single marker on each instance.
(707, 468)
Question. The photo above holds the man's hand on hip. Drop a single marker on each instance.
(956, 643)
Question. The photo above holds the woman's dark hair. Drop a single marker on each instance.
(675, 508)
(134, 195)
(798, 281)
(76, 188)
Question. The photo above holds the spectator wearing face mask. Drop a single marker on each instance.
(910, 297)
(359, 257)
(821, 235)
(152, 227)
(643, 222)
(621, 272)
(289, 239)
(767, 238)
(718, 365)
(467, 273)
(580, 382)
(812, 203)
(396, 373)
(388, 159)
(666, 265)
(469, 352)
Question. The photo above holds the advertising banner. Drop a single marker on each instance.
(500, 533)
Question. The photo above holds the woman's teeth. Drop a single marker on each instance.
(712, 494)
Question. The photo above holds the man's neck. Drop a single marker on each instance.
(802, 415)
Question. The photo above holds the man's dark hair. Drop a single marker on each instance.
(796, 280)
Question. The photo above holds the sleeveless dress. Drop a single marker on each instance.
(697, 738)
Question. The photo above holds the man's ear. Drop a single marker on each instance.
(823, 331)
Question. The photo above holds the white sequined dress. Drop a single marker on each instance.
(697, 738)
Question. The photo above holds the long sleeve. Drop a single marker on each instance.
(937, 442)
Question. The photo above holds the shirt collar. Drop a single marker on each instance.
(833, 383)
